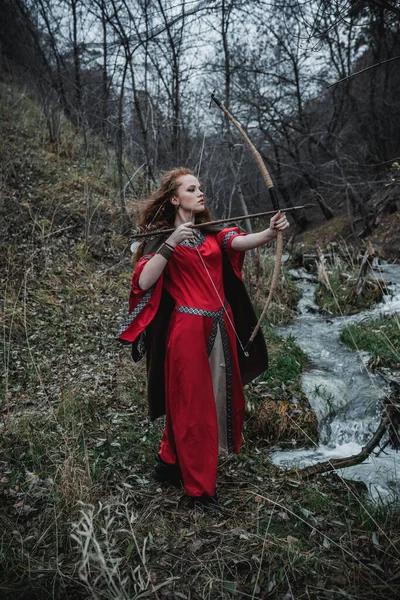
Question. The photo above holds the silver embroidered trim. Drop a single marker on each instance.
(136, 310)
(228, 375)
(213, 335)
(200, 312)
(200, 239)
(226, 239)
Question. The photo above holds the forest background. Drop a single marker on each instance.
(139, 74)
(97, 98)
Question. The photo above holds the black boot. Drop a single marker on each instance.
(164, 472)
(207, 503)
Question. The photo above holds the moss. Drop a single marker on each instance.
(333, 230)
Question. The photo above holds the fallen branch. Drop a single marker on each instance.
(390, 422)
(349, 461)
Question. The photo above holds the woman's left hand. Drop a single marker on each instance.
(278, 222)
(249, 241)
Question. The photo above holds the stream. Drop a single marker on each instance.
(341, 390)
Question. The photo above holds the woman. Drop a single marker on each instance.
(190, 312)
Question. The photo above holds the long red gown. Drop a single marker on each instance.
(203, 387)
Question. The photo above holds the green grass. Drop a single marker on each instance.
(286, 359)
(380, 337)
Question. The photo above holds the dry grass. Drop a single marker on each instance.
(285, 423)
(257, 274)
(338, 276)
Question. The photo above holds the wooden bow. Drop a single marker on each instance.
(275, 204)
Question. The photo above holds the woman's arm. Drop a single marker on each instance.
(152, 271)
(156, 265)
(278, 222)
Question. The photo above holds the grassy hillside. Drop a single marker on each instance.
(80, 516)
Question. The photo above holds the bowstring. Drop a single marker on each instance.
(223, 306)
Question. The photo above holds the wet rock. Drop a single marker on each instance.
(309, 262)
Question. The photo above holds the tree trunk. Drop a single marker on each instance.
(120, 150)
(77, 63)
(105, 91)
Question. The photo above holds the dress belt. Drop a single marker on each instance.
(214, 314)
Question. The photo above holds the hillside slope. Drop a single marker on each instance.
(65, 268)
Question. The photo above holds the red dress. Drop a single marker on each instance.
(203, 386)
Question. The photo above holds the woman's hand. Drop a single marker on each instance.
(181, 233)
(155, 266)
(277, 223)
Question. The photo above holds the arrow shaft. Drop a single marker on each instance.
(220, 221)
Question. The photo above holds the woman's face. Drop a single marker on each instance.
(189, 195)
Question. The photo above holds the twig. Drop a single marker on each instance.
(363, 71)
(130, 179)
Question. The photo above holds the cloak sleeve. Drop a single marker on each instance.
(236, 258)
(143, 305)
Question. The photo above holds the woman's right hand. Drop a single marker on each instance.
(181, 233)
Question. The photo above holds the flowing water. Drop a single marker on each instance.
(341, 390)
